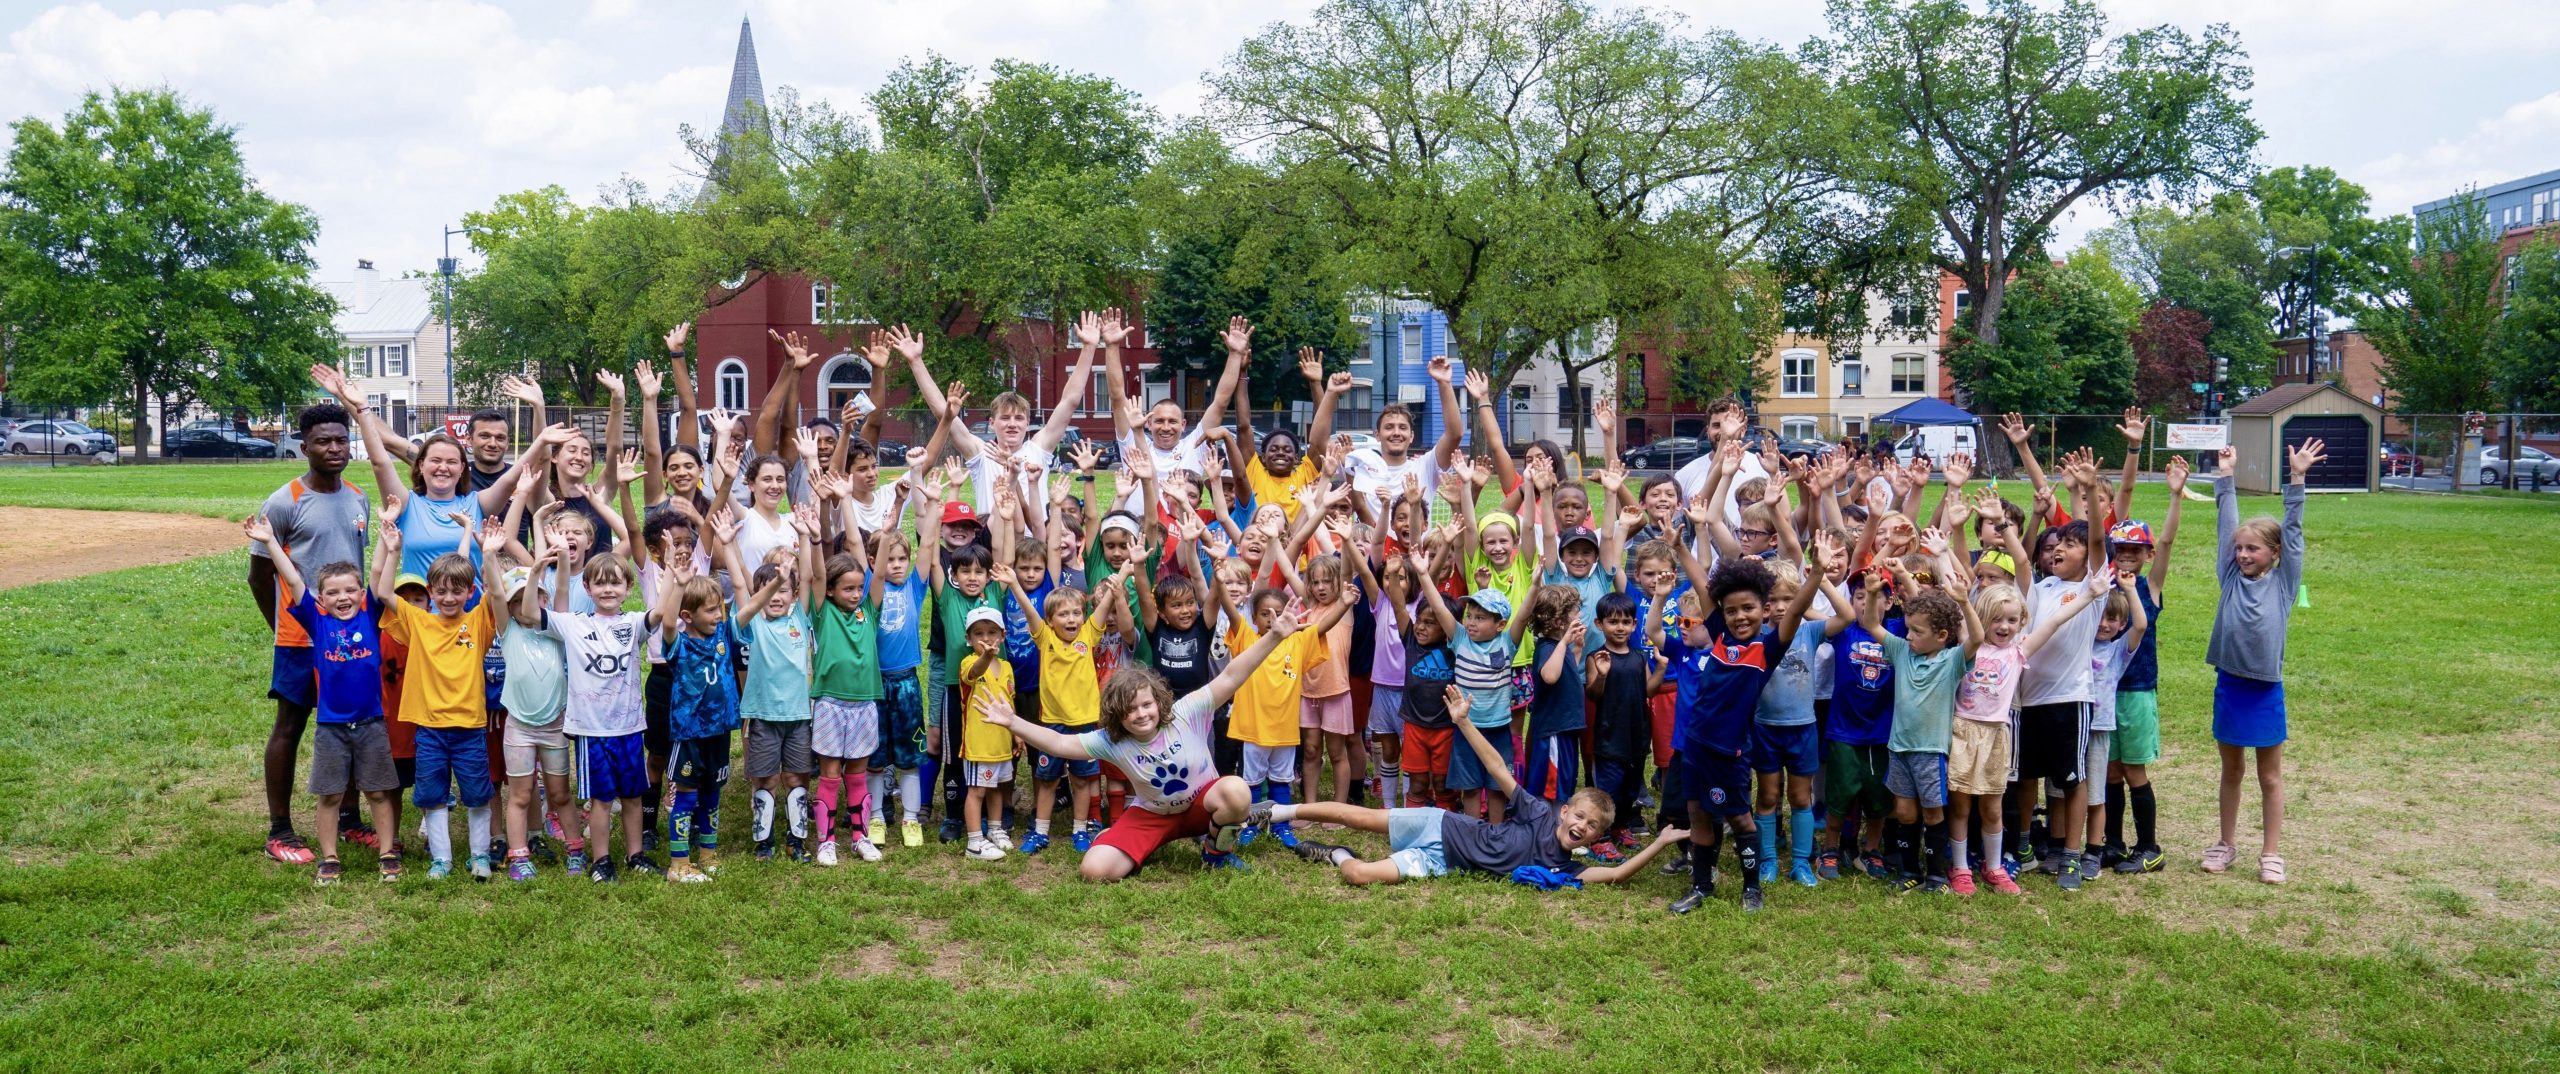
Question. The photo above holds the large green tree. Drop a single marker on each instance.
(2064, 344)
(2435, 315)
(1507, 161)
(2528, 346)
(2007, 115)
(139, 257)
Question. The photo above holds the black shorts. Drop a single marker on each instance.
(2051, 741)
(700, 763)
(658, 695)
(1715, 782)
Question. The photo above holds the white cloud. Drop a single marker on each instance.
(391, 118)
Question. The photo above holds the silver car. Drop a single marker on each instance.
(58, 437)
(2535, 461)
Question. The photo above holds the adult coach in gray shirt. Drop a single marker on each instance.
(318, 519)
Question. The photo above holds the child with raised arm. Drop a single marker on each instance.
(2137, 700)
(1553, 764)
(2121, 628)
(534, 695)
(957, 578)
(1720, 661)
(1978, 760)
(1268, 703)
(702, 645)
(604, 715)
(1070, 696)
(2260, 566)
(901, 609)
(1429, 668)
(1482, 642)
(845, 689)
(1621, 682)
(776, 699)
(1786, 742)
(443, 694)
(353, 745)
(1427, 842)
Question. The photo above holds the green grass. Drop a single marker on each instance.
(140, 928)
(214, 490)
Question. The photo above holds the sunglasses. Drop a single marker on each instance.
(1691, 620)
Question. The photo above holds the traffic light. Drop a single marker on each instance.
(2221, 369)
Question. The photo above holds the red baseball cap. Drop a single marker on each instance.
(956, 511)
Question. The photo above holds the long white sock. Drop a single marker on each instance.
(1283, 812)
(435, 825)
(910, 795)
(1390, 785)
(879, 792)
(763, 814)
(477, 818)
(1956, 853)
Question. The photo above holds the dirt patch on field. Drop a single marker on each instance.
(42, 544)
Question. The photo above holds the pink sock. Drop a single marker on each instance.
(827, 791)
(857, 799)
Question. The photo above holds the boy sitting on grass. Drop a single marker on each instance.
(1427, 842)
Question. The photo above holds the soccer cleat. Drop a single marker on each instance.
(2147, 860)
(797, 849)
(2001, 881)
(1904, 885)
(1933, 886)
(680, 871)
(289, 849)
(1874, 864)
(1315, 852)
(649, 840)
(706, 860)
(1751, 900)
(361, 835)
(950, 830)
(519, 870)
(1960, 881)
(866, 849)
(1769, 870)
(1246, 835)
(480, 868)
(577, 865)
(640, 865)
(1258, 814)
(602, 871)
(827, 853)
(911, 833)
(1696, 898)
(439, 869)
(1802, 872)
(2112, 855)
(328, 873)
(1606, 853)
(764, 849)
(1034, 843)
(1287, 835)
(984, 849)
(1676, 863)
(2068, 879)
(1228, 862)
(1084, 840)
(1829, 867)
(543, 854)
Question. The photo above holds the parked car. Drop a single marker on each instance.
(1792, 447)
(2493, 466)
(893, 453)
(222, 443)
(1668, 453)
(2399, 461)
(59, 437)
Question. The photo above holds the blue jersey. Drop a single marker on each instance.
(1019, 648)
(2142, 671)
(1670, 612)
(1861, 687)
(705, 701)
(346, 655)
(901, 624)
(1719, 687)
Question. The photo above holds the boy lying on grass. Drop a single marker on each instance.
(1426, 842)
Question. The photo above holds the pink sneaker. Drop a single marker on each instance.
(2000, 880)
(1961, 881)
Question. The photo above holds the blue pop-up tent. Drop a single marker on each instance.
(1926, 412)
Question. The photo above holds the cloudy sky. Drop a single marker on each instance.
(391, 118)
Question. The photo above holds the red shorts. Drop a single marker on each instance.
(1426, 750)
(1662, 705)
(1138, 832)
(404, 736)
(1113, 773)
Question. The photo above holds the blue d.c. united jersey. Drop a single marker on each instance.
(1861, 687)
(705, 701)
(1719, 687)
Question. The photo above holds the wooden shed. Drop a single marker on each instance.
(2266, 427)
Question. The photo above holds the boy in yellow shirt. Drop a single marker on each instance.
(444, 696)
(1265, 713)
(1070, 694)
(987, 749)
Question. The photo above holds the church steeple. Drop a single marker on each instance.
(746, 87)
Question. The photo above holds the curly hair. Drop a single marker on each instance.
(1552, 610)
(1120, 694)
(1738, 576)
(1943, 613)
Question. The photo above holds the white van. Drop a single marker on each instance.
(1937, 442)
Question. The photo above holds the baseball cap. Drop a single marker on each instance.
(956, 511)
(514, 579)
(1578, 533)
(983, 615)
(1492, 601)
(2130, 531)
(407, 579)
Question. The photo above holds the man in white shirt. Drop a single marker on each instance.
(1379, 473)
(1158, 429)
(1725, 421)
(1009, 420)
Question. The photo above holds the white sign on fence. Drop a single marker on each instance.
(2198, 437)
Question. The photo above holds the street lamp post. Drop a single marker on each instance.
(445, 267)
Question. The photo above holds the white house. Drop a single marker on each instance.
(392, 344)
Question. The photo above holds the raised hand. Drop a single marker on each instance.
(1573, 635)
(632, 467)
(388, 526)
(1542, 474)
(646, 377)
(804, 518)
(2044, 503)
(2304, 457)
(806, 439)
(1958, 468)
(2134, 423)
(675, 336)
(1311, 365)
(910, 346)
(795, 346)
(1700, 510)
(333, 380)
(1630, 518)
(1338, 383)
(520, 389)
(1086, 454)
(916, 457)
(2016, 429)
(1613, 477)
(2177, 474)
(1440, 369)
(1238, 336)
(256, 529)
(1140, 464)
(849, 416)
(957, 397)
(725, 422)
(724, 524)
(1729, 456)
(875, 353)
(611, 380)
(2227, 461)
(1824, 548)
(1479, 386)
(1604, 410)
(1933, 541)
(1116, 327)
(1002, 573)
(493, 536)
(1088, 330)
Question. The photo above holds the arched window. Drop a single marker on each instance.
(733, 384)
(841, 378)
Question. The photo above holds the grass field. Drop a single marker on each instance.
(141, 928)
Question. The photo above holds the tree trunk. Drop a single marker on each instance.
(142, 437)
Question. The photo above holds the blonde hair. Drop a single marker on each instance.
(698, 593)
(1596, 802)
(1785, 572)
(1996, 598)
(2267, 530)
(2119, 604)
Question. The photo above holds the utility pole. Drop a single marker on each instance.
(445, 267)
